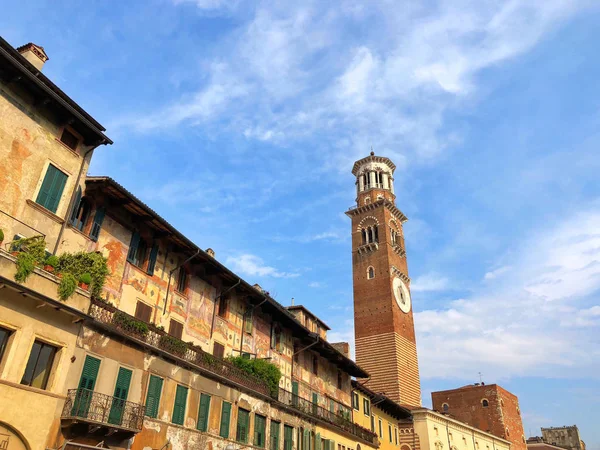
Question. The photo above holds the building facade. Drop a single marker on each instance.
(566, 437)
(143, 363)
(488, 407)
(383, 317)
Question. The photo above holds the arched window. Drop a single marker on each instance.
(376, 234)
(485, 403)
(445, 407)
(367, 200)
(370, 273)
(507, 432)
(363, 234)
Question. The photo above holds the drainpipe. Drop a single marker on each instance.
(72, 201)
(243, 320)
(171, 274)
(212, 325)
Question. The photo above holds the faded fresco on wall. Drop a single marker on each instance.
(201, 307)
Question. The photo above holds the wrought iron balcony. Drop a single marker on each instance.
(101, 410)
(194, 355)
(340, 418)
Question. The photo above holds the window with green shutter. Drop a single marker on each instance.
(52, 188)
(260, 424)
(288, 437)
(152, 259)
(203, 411)
(243, 425)
(179, 406)
(274, 435)
(153, 396)
(225, 418)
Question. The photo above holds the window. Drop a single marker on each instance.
(52, 188)
(39, 365)
(248, 318)
(274, 435)
(182, 280)
(175, 329)
(153, 396)
(371, 273)
(243, 425)
(390, 432)
(137, 250)
(288, 437)
(445, 407)
(340, 380)
(485, 403)
(315, 365)
(97, 224)
(222, 311)
(366, 407)
(260, 423)
(276, 337)
(355, 401)
(81, 211)
(225, 419)
(4, 336)
(373, 424)
(152, 260)
(69, 139)
(218, 350)
(143, 312)
(380, 429)
(507, 432)
(395, 435)
(203, 412)
(180, 404)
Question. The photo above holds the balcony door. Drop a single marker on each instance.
(120, 396)
(85, 391)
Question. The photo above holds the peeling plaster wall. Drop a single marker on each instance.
(28, 144)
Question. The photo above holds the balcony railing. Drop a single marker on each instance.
(341, 418)
(151, 335)
(95, 408)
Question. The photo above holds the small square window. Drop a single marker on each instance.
(4, 337)
(218, 350)
(143, 312)
(69, 139)
(175, 329)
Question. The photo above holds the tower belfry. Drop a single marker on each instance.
(383, 317)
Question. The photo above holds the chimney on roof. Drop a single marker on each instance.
(342, 347)
(292, 301)
(210, 252)
(34, 54)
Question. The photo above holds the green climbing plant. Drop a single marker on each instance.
(67, 286)
(266, 371)
(32, 253)
(81, 263)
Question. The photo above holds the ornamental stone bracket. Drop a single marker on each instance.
(399, 250)
(395, 271)
(366, 248)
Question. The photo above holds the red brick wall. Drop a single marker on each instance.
(501, 418)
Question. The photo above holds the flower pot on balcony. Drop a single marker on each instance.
(15, 253)
(84, 286)
(49, 269)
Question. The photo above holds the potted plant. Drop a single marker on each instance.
(85, 280)
(1, 236)
(50, 263)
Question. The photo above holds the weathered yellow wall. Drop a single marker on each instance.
(360, 418)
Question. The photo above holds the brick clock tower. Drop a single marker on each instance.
(383, 316)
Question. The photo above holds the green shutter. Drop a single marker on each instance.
(97, 225)
(133, 245)
(52, 188)
(274, 435)
(152, 259)
(242, 425)
(179, 406)
(120, 396)
(75, 206)
(260, 423)
(89, 374)
(203, 410)
(295, 393)
(288, 437)
(306, 440)
(225, 418)
(318, 441)
(153, 396)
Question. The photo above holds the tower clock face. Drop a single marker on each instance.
(402, 295)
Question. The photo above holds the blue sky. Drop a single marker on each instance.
(239, 123)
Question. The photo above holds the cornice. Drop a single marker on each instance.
(372, 206)
(373, 158)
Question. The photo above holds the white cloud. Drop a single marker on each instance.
(429, 282)
(252, 265)
(541, 317)
(496, 272)
(315, 284)
(292, 70)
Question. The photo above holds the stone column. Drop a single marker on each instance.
(373, 180)
(386, 181)
(392, 185)
(361, 184)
